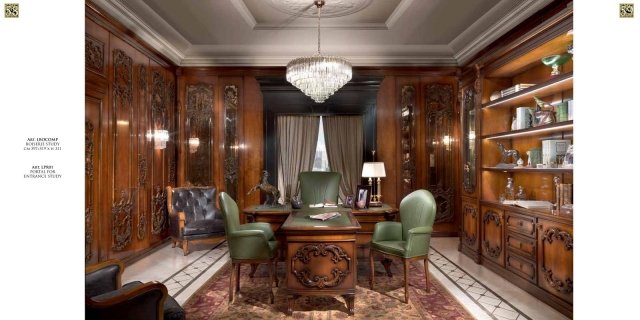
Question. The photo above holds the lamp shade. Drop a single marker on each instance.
(373, 170)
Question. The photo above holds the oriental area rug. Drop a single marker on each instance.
(385, 301)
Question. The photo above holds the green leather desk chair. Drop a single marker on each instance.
(251, 243)
(319, 187)
(408, 239)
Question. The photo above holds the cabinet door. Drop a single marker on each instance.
(469, 236)
(493, 235)
(555, 258)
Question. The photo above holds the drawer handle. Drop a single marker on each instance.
(520, 223)
(520, 245)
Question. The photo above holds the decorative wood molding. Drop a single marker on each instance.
(158, 100)
(552, 234)
(491, 215)
(171, 94)
(471, 211)
(306, 254)
(88, 149)
(94, 54)
(199, 124)
(142, 170)
(231, 140)
(142, 78)
(142, 225)
(122, 78)
(477, 85)
(565, 286)
(468, 177)
(88, 172)
(439, 101)
(121, 221)
(408, 139)
(88, 232)
(492, 252)
(159, 211)
(488, 217)
(172, 171)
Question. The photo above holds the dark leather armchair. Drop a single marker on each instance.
(319, 187)
(251, 243)
(106, 298)
(193, 215)
(408, 239)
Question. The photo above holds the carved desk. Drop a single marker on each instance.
(321, 255)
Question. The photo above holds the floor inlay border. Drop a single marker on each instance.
(488, 300)
(183, 278)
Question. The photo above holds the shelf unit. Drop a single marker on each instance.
(532, 248)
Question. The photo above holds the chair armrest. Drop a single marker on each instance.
(103, 277)
(418, 241)
(387, 231)
(262, 226)
(143, 301)
(248, 244)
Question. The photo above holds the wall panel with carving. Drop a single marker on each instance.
(121, 165)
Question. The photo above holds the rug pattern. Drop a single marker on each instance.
(385, 301)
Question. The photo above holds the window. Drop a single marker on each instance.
(321, 162)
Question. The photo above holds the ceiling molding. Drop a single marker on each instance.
(245, 13)
(374, 61)
(514, 17)
(397, 13)
(314, 25)
(130, 20)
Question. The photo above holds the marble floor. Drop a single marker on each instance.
(483, 293)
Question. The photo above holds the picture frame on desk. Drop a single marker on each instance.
(363, 197)
(348, 201)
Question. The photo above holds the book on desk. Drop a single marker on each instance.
(325, 216)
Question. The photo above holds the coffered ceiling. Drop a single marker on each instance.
(367, 32)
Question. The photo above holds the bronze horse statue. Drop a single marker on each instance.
(272, 193)
(506, 153)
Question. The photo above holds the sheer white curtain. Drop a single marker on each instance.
(297, 139)
(344, 138)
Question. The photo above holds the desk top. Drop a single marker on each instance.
(286, 209)
(299, 220)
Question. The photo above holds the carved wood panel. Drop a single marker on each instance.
(159, 212)
(121, 221)
(408, 139)
(231, 145)
(555, 258)
(199, 125)
(94, 55)
(493, 235)
(94, 105)
(440, 150)
(470, 219)
(309, 254)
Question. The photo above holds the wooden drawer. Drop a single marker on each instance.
(522, 245)
(521, 224)
(520, 266)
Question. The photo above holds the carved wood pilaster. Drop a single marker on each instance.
(408, 139)
(231, 140)
(472, 213)
(142, 170)
(121, 216)
(468, 175)
(199, 124)
(88, 175)
(158, 101)
(122, 79)
(142, 225)
(159, 211)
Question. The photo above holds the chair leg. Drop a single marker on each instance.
(426, 273)
(371, 272)
(275, 273)
(174, 244)
(232, 282)
(406, 282)
(237, 271)
(185, 247)
(271, 272)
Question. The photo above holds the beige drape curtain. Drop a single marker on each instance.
(343, 136)
(297, 139)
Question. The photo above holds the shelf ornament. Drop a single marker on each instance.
(544, 113)
(506, 154)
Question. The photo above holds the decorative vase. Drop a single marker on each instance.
(296, 203)
(555, 61)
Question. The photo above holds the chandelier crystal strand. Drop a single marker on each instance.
(319, 76)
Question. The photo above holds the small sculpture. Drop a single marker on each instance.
(272, 193)
(506, 153)
(544, 113)
(568, 158)
(508, 190)
(521, 195)
(555, 61)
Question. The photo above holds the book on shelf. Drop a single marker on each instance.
(514, 89)
(524, 117)
(570, 110)
(530, 204)
(325, 216)
(551, 149)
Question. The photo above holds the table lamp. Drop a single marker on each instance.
(374, 170)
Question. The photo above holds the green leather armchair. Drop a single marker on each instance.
(408, 239)
(319, 187)
(251, 243)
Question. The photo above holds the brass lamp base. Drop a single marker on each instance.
(375, 204)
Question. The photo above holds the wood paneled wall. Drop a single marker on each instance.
(129, 92)
(390, 139)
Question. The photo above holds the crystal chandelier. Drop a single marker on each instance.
(319, 76)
